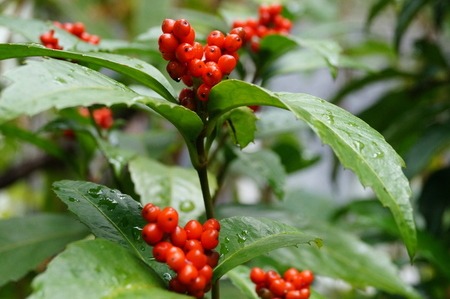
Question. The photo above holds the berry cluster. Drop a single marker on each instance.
(270, 21)
(188, 251)
(49, 40)
(293, 285)
(103, 116)
(200, 68)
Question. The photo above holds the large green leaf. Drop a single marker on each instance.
(358, 146)
(244, 238)
(169, 186)
(134, 68)
(26, 242)
(98, 269)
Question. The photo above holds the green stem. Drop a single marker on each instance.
(202, 171)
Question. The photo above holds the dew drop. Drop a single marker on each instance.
(241, 238)
(167, 276)
(60, 80)
(359, 145)
(187, 206)
(72, 199)
(226, 240)
(95, 192)
(329, 117)
(109, 203)
(378, 155)
(224, 249)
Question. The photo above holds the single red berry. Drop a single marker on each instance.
(167, 42)
(232, 43)
(211, 223)
(167, 25)
(308, 276)
(187, 80)
(103, 118)
(152, 234)
(175, 258)
(168, 220)
(226, 63)
(68, 27)
(203, 92)
(190, 38)
(181, 28)
(187, 274)
(192, 244)
(265, 18)
(160, 251)
(213, 258)
(289, 286)
(215, 38)
(290, 274)
(78, 28)
(264, 293)
(271, 275)
(212, 74)
(294, 294)
(185, 52)
(150, 212)
(277, 287)
(197, 258)
(239, 31)
(212, 53)
(275, 9)
(257, 275)
(94, 39)
(299, 282)
(194, 230)
(179, 236)
(198, 294)
(198, 284)
(305, 293)
(198, 50)
(176, 286)
(49, 38)
(196, 67)
(176, 69)
(206, 271)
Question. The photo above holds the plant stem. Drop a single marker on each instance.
(202, 171)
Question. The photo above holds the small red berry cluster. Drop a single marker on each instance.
(103, 117)
(200, 68)
(293, 285)
(49, 40)
(270, 21)
(188, 251)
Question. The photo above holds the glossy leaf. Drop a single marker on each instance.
(26, 242)
(169, 186)
(134, 68)
(242, 126)
(95, 269)
(358, 146)
(244, 238)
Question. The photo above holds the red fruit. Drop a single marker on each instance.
(175, 258)
(103, 118)
(305, 293)
(275, 9)
(257, 275)
(226, 63)
(271, 275)
(167, 43)
(294, 294)
(203, 92)
(179, 236)
(150, 212)
(277, 287)
(176, 286)
(152, 234)
(176, 69)
(188, 274)
(167, 25)
(212, 74)
(196, 67)
(213, 258)
(239, 31)
(290, 274)
(232, 43)
(185, 52)
(211, 223)
(212, 53)
(68, 27)
(181, 28)
(210, 239)
(198, 284)
(192, 244)
(78, 28)
(190, 38)
(194, 230)
(49, 38)
(168, 220)
(94, 39)
(160, 251)
(308, 276)
(198, 50)
(206, 271)
(197, 258)
(215, 38)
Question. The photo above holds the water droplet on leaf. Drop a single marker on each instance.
(187, 206)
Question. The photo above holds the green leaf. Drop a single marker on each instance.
(242, 126)
(26, 242)
(358, 146)
(407, 13)
(264, 167)
(169, 186)
(244, 238)
(240, 277)
(134, 68)
(98, 269)
(376, 9)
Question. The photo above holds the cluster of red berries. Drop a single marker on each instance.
(200, 68)
(188, 251)
(49, 40)
(103, 117)
(293, 285)
(270, 21)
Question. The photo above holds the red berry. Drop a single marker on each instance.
(239, 31)
(294, 294)
(198, 284)
(203, 92)
(176, 69)
(185, 52)
(175, 258)
(160, 251)
(275, 9)
(168, 220)
(290, 274)
(212, 74)
(179, 236)
(213, 258)
(257, 275)
(212, 53)
(194, 230)
(206, 271)
(198, 50)
(188, 274)
(176, 286)
(308, 276)
(305, 293)
(181, 28)
(277, 287)
(196, 67)
(197, 258)
(150, 212)
(226, 63)
(94, 39)
(152, 234)
(192, 244)
(78, 28)
(167, 25)
(48, 38)
(187, 80)
(215, 38)
(103, 118)
(167, 42)
(271, 275)
(211, 223)
(190, 38)
(232, 43)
